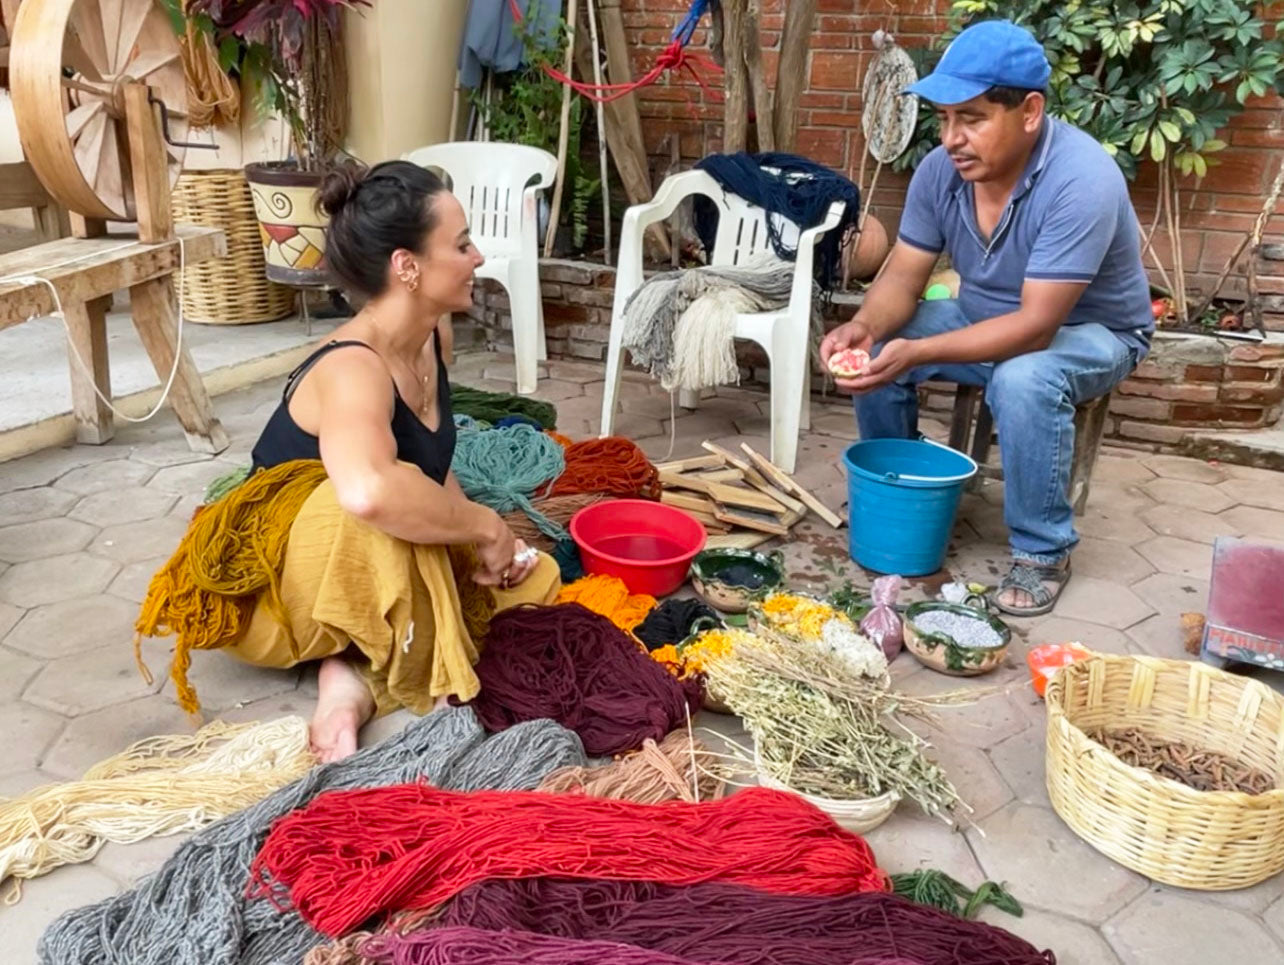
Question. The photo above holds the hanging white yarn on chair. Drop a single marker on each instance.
(681, 324)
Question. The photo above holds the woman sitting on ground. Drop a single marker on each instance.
(388, 572)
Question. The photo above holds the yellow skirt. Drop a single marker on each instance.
(412, 613)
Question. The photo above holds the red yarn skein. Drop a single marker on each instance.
(351, 855)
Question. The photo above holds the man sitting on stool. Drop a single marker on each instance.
(1054, 304)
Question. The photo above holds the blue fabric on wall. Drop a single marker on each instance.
(490, 38)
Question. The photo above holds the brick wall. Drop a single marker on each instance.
(1213, 222)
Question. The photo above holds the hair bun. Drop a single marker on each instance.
(339, 185)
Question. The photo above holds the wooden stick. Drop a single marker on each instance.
(688, 502)
(1254, 237)
(722, 493)
(601, 136)
(694, 462)
(762, 101)
(737, 541)
(728, 475)
(800, 18)
(564, 132)
(735, 116)
(751, 520)
(786, 482)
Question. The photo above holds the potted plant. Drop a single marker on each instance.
(291, 52)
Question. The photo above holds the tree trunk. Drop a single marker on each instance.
(735, 125)
(791, 78)
(765, 117)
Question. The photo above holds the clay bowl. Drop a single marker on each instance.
(942, 653)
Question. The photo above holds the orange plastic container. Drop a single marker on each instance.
(1046, 660)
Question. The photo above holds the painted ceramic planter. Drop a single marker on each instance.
(707, 571)
(939, 651)
(291, 226)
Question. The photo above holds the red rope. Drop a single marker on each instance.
(351, 855)
(673, 58)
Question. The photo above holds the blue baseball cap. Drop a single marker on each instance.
(993, 53)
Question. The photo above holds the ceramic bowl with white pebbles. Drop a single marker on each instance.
(953, 639)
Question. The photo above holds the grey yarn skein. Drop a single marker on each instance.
(193, 911)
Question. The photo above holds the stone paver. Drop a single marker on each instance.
(132, 504)
(44, 899)
(1074, 942)
(1043, 863)
(1191, 495)
(106, 477)
(1263, 494)
(9, 615)
(190, 478)
(1163, 927)
(1191, 524)
(90, 681)
(1274, 916)
(104, 733)
(1058, 629)
(27, 732)
(56, 578)
(144, 540)
(1020, 761)
(66, 626)
(45, 537)
(131, 582)
(1190, 470)
(1181, 557)
(910, 841)
(1105, 560)
(1256, 522)
(16, 672)
(1101, 601)
(1174, 595)
(28, 505)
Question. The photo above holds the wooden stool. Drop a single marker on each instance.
(1089, 428)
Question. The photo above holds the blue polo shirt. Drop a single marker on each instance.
(1069, 219)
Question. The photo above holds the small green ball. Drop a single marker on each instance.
(936, 293)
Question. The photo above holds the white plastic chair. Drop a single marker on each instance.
(498, 185)
(785, 335)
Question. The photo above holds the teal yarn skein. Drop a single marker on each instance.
(503, 468)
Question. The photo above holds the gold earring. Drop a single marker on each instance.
(410, 278)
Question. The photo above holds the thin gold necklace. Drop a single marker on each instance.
(423, 391)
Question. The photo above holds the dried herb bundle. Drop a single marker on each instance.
(822, 729)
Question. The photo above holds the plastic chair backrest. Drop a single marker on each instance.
(489, 179)
(742, 230)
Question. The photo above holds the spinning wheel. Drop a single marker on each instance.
(70, 64)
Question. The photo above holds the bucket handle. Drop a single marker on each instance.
(893, 476)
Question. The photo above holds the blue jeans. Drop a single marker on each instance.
(1032, 398)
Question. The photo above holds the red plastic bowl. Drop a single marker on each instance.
(648, 545)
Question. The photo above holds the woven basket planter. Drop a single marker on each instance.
(232, 290)
(1208, 840)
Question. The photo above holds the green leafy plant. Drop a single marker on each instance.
(282, 50)
(525, 107)
(1156, 81)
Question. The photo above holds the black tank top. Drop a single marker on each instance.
(282, 440)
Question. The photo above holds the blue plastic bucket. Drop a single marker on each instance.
(902, 498)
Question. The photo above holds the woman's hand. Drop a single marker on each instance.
(524, 562)
(496, 555)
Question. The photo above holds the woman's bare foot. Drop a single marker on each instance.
(344, 703)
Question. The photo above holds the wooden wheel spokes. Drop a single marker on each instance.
(101, 44)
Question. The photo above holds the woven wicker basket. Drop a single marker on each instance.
(232, 290)
(1209, 840)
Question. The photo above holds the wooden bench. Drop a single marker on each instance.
(972, 431)
(85, 272)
